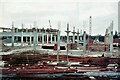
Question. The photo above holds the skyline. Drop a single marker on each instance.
(74, 12)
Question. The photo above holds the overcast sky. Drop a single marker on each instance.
(76, 12)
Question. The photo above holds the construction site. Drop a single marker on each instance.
(58, 46)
